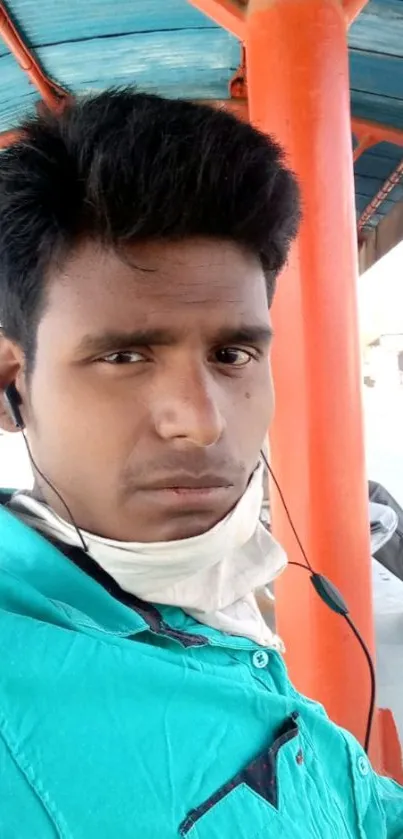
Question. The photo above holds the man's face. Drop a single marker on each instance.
(151, 392)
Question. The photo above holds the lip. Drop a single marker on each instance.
(187, 498)
(189, 483)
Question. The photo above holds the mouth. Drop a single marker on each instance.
(189, 491)
(189, 483)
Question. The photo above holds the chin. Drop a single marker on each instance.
(162, 523)
(183, 528)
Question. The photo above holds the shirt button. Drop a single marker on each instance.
(363, 765)
(260, 659)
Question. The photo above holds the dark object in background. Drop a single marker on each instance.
(390, 554)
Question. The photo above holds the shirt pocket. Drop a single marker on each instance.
(284, 792)
(247, 805)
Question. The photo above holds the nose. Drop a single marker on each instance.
(186, 409)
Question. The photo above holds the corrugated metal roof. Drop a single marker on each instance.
(171, 48)
(376, 66)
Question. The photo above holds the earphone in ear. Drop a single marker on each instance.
(13, 401)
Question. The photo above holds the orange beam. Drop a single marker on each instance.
(230, 14)
(366, 142)
(52, 95)
(352, 9)
(298, 83)
(376, 131)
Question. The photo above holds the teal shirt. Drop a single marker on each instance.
(115, 725)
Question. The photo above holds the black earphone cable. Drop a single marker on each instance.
(57, 493)
(364, 648)
(330, 595)
(291, 523)
(371, 711)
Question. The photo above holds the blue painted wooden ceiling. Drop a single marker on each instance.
(168, 47)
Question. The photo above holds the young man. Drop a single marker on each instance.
(141, 692)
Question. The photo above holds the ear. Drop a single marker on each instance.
(11, 367)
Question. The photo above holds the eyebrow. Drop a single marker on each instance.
(113, 341)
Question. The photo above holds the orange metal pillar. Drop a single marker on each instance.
(298, 86)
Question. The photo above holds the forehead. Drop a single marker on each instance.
(151, 282)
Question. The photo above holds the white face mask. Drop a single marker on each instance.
(213, 577)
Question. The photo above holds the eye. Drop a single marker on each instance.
(126, 357)
(233, 357)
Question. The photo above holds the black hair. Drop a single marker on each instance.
(121, 167)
